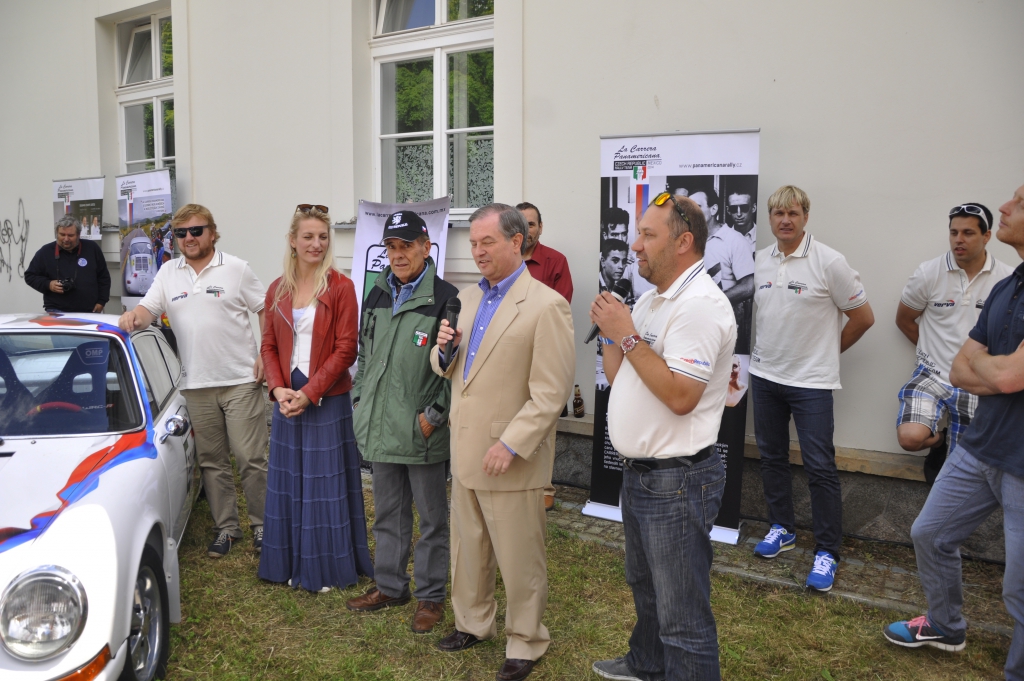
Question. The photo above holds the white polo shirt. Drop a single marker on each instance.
(692, 327)
(209, 314)
(949, 305)
(728, 257)
(799, 303)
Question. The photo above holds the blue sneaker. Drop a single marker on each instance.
(823, 574)
(920, 632)
(775, 542)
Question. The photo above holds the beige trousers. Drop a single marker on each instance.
(231, 420)
(506, 530)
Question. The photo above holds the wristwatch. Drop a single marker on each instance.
(629, 342)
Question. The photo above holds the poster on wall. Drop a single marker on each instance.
(144, 211)
(719, 172)
(369, 257)
(82, 198)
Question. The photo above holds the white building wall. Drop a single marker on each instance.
(886, 113)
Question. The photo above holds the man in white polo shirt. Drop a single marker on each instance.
(939, 306)
(207, 296)
(664, 413)
(804, 288)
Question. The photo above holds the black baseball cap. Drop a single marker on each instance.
(404, 225)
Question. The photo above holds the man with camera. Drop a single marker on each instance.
(70, 272)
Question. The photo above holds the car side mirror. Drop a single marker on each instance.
(176, 425)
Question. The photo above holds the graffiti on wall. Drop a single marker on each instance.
(13, 244)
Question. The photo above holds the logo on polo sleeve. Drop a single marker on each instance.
(696, 362)
(215, 291)
(948, 303)
(420, 339)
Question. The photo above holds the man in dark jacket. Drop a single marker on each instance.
(401, 423)
(70, 272)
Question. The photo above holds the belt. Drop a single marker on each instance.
(644, 465)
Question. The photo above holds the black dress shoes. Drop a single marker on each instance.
(514, 670)
(456, 641)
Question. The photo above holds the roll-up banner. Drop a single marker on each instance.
(83, 199)
(718, 170)
(144, 214)
(369, 257)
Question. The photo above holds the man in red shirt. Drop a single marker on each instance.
(549, 267)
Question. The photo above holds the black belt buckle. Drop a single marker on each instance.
(647, 465)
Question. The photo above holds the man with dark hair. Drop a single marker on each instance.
(741, 210)
(393, 388)
(728, 257)
(984, 472)
(70, 272)
(668, 363)
(614, 259)
(614, 224)
(510, 380)
(939, 306)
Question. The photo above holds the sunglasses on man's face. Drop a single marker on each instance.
(306, 207)
(739, 208)
(182, 232)
(660, 200)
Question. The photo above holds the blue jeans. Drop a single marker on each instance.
(667, 515)
(966, 492)
(811, 408)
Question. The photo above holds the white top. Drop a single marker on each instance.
(799, 303)
(302, 344)
(692, 327)
(949, 305)
(728, 257)
(209, 313)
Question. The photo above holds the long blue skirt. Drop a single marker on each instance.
(314, 525)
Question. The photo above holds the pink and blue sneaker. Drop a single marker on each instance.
(920, 632)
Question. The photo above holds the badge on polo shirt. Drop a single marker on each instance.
(82, 262)
(215, 291)
(420, 339)
(797, 287)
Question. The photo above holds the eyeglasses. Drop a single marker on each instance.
(306, 207)
(181, 232)
(739, 208)
(660, 200)
(970, 209)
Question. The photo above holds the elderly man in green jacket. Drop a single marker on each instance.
(401, 423)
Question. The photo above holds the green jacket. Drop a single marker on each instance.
(394, 383)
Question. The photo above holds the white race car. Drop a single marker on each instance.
(97, 478)
(141, 267)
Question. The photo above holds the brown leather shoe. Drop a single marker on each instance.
(456, 641)
(549, 503)
(427, 615)
(514, 670)
(374, 600)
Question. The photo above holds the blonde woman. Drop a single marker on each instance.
(315, 525)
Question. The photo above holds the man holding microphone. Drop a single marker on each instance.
(668, 364)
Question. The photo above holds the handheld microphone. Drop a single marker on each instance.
(451, 313)
(622, 289)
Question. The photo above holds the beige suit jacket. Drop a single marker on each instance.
(518, 384)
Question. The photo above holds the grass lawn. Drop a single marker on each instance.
(238, 627)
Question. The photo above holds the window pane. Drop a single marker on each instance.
(408, 169)
(471, 89)
(402, 15)
(138, 132)
(467, 9)
(168, 125)
(471, 169)
(166, 55)
(407, 100)
(140, 64)
(137, 167)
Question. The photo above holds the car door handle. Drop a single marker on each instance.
(176, 425)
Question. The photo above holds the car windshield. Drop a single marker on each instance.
(65, 384)
(142, 248)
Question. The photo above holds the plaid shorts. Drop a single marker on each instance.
(925, 398)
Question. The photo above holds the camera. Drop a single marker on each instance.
(67, 285)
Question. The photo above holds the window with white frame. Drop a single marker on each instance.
(434, 99)
(145, 93)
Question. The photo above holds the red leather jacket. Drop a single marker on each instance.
(335, 340)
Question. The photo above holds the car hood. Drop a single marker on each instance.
(40, 478)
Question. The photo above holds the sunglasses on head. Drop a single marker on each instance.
(306, 207)
(181, 232)
(660, 200)
(970, 209)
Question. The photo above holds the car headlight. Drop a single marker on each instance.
(42, 613)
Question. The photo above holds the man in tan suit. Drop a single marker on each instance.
(510, 380)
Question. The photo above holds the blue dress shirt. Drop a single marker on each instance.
(400, 295)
